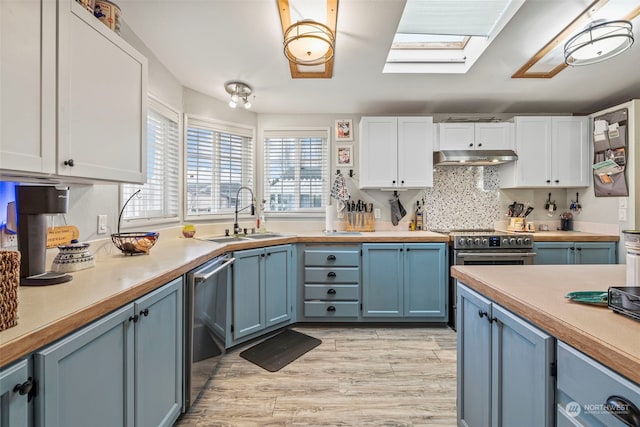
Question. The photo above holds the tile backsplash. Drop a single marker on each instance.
(463, 197)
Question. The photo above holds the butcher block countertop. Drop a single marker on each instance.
(47, 313)
(572, 236)
(537, 294)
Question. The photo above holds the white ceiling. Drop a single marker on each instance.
(207, 42)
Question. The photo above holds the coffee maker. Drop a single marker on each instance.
(33, 204)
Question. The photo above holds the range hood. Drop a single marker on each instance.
(473, 157)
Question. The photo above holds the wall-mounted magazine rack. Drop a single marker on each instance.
(610, 150)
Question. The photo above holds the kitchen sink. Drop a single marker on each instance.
(263, 236)
(224, 239)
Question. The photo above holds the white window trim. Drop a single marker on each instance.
(163, 108)
(224, 126)
(296, 131)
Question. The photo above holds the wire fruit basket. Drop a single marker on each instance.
(134, 242)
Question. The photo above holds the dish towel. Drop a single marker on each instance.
(339, 190)
(397, 210)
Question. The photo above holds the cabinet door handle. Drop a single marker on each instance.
(471, 145)
(578, 249)
(624, 410)
(331, 291)
(393, 182)
(331, 274)
(331, 258)
(557, 181)
(69, 163)
(331, 308)
(548, 181)
(23, 388)
(144, 312)
(482, 314)
(134, 318)
(262, 255)
(402, 182)
(480, 144)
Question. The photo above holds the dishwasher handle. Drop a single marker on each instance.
(203, 277)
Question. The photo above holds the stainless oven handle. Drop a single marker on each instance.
(204, 277)
(496, 254)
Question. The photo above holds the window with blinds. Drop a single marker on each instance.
(219, 162)
(296, 170)
(159, 197)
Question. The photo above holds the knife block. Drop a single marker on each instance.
(360, 221)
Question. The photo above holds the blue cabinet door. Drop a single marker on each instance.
(158, 356)
(425, 280)
(382, 277)
(554, 253)
(248, 291)
(14, 407)
(474, 359)
(277, 277)
(596, 253)
(522, 380)
(86, 379)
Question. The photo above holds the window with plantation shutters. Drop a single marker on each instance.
(219, 161)
(159, 197)
(296, 167)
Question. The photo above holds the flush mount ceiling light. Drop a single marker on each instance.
(308, 43)
(239, 91)
(551, 58)
(601, 40)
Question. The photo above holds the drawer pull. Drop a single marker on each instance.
(331, 258)
(331, 308)
(331, 274)
(331, 291)
(623, 410)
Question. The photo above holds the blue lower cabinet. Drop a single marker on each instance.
(262, 289)
(405, 280)
(124, 369)
(15, 385)
(575, 253)
(505, 367)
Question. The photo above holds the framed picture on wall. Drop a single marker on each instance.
(344, 156)
(344, 130)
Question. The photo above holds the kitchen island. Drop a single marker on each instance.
(537, 294)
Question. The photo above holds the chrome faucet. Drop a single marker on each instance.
(236, 227)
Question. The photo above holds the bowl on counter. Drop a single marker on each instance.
(73, 257)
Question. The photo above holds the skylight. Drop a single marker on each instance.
(446, 36)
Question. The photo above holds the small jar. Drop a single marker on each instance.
(189, 230)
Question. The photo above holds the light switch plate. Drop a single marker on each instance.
(622, 202)
(102, 224)
(622, 214)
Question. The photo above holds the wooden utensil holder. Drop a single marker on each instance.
(360, 221)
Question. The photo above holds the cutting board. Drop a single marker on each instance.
(61, 235)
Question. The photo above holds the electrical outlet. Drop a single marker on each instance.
(376, 212)
(622, 214)
(622, 202)
(102, 224)
(8, 240)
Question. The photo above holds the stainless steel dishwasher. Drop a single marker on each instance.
(205, 325)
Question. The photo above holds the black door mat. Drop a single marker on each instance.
(278, 351)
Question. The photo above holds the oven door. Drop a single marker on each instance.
(463, 257)
(470, 257)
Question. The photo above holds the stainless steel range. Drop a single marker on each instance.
(486, 247)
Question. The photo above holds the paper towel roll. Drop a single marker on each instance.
(329, 217)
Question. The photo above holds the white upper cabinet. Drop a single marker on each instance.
(475, 136)
(27, 86)
(96, 129)
(552, 152)
(396, 152)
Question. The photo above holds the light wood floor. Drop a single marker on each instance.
(365, 376)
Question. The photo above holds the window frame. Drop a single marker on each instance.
(215, 125)
(298, 132)
(165, 110)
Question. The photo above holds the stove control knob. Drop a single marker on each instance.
(462, 241)
(469, 241)
(485, 242)
(519, 240)
(512, 241)
(476, 241)
(527, 240)
(505, 242)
